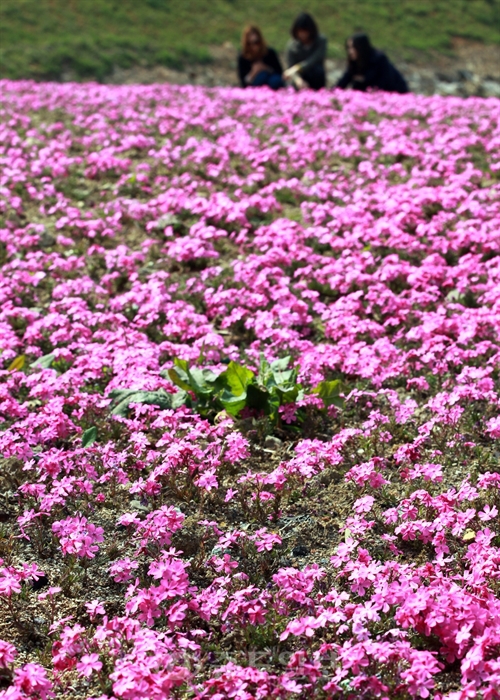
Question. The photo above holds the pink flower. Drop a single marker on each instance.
(32, 679)
(78, 536)
(128, 519)
(493, 427)
(10, 582)
(94, 608)
(88, 664)
(288, 412)
(122, 569)
(364, 505)
(264, 540)
(224, 564)
(49, 593)
(488, 513)
(303, 626)
(7, 653)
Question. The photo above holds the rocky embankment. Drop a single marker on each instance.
(471, 69)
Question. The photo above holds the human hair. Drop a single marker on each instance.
(306, 23)
(245, 45)
(364, 48)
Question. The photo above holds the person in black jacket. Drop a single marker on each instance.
(306, 54)
(258, 64)
(369, 68)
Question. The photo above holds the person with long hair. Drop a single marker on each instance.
(258, 64)
(369, 68)
(306, 54)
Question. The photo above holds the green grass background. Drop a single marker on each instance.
(42, 38)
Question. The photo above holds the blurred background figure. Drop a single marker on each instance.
(369, 68)
(306, 54)
(258, 64)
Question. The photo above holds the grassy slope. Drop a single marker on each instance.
(40, 38)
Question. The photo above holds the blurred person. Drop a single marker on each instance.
(367, 67)
(258, 64)
(306, 54)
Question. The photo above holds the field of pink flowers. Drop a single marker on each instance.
(250, 394)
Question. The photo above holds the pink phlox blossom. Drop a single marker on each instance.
(493, 427)
(303, 626)
(264, 540)
(364, 504)
(223, 564)
(50, 593)
(88, 664)
(95, 608)
(288, 413)
(32, 680)
(159, 526)
(419, 677)
(488, 513)
(122, 570)
(78, 536)
(8, 653)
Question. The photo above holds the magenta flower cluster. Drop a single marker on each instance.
(158, 554)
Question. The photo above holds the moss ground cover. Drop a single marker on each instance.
(249, 394)
(45, 38)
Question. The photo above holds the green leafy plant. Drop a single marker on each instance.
(89, 436)
(238, 388)
(122, 398)
(231, 391)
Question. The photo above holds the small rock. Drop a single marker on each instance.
(491, 88)
(40, 583)
(272, 443)
(333, 76)
(447, 88)
(46, 240)
(300, 551)
(445, 77)
(137, 505)
(465, 75)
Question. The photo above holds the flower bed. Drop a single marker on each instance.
(250, 394)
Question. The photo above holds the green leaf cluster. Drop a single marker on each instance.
(122, 398)
(233, 390)
(238, 387)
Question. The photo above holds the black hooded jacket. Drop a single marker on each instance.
(380, 73)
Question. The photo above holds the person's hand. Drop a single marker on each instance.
(300, 83)
(291, 72)
(258, 67)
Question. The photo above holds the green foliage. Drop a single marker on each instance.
(89, 436)
(47, 38)
(231, 391)
(44, 362)
(17, 364)
(122, 398)
(329, 391)
(238, 388)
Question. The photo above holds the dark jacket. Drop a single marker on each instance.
(380, 73)
(309, 57)
(270, 59)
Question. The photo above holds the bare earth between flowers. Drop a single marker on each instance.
(250, 394)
